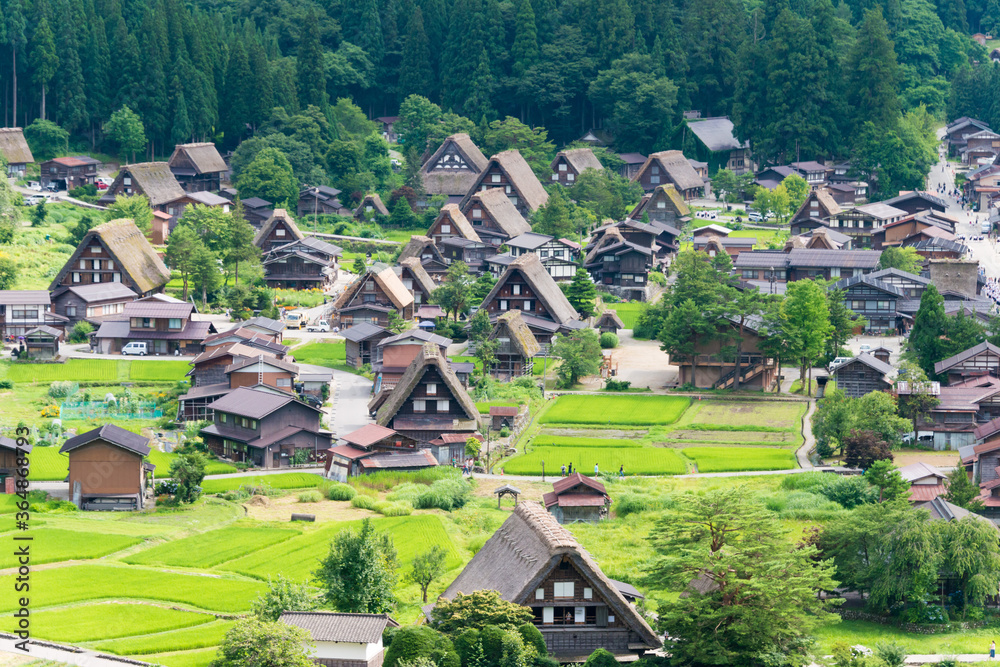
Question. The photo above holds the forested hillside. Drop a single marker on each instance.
(799, 77)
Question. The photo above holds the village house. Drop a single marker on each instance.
(875, 301)
(534, 562)
(416, 279)
(256, 211)
(153, 180)
(962, 407)
(372, 296)
(429, 402)
(815, 173)
(453, 168)
(911, 286)
(165, 327)
(820, 238)
(258, 337)
(771, 177)
(198, 167)
(394, 354)
(665, 208)
(69, 172)
(862, 222)
(423, 248)
(265, 427)
(714, 245)
(977, 361)
(926, 481)
(473, 253)
(804, 264)
(568, 165)
(292, 260)
(509, 172)
(716, 144)
(632, 163)
(320, 200)
(277, 230)
(9, 452)
(915, 201)
(175, 209)
(264, 326)
(106, 469)
(527, 286)
(914, 228)
(981, 148)
(15, 150)
(371, 208)
(577, 499)
(982, 186)
(262, 370)
(388, 130)
(23, 310)
(932, 246)
(42, 342)
(361, 341)
(493, 217)
(557, 255)
(373, 447)
(862, 375)
(516, 347)
(342, 640)
(114, 252)
(956, 133)
(713, 364)
(673, 168)
(818, 207)
(210, 366)
(609, 322)
(848, 194)
(616, 262)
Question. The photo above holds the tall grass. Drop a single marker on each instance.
(384, 480)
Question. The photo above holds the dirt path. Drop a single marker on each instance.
(802, 453)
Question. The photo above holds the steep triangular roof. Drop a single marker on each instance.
(204, 156)
(419, 273)
(280, 215)
(129, 248)
(110, 433)
(429, 356)
(826, 203)
(541, 283)
(965, 355)
(460, 224)
(386, 278)
(673, 201)
(14, 147)
(155, 180)
(375, 202)
(579, 159)
(676, 167)
(520, 335)
(521, 177)
(499, 207)
(415, 248)
(610, 317)
(868, 360)
(453, 181)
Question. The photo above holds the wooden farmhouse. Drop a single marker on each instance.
(673, 168)
(577, 499)
(198, 167)
(176, 208)
(510, 172)
(9, 451)
(915, 227)
(342, 640)
(210, 366)
(453, 168)
(926, 481)
(308, 263)
(153, 180)
(632, 164)
(106, 469)
(69, 172)
(416, 279)
(474, 254)
(451, 223)
(256, 211)
(957, 132)
(320, 200)
(916, 201)
(165, 327)
(266, 427)
(493, 217)
(663, 205)
(805, 264)
(43, 342)
(534, 562)
(371, 208)
(874, 300)
(361, 340)
(609, 322)
(977, 361)
(526, 286)
(617, 262)
(862, 375)
(862, 222)
(429, 401)
(23, 310)
(716, 144)
(568, 165)
(372, 448)
(262, 370)
(516, 347)
(393, 355)
(115, 252)
(15, 150)
(372, 296)
(713, 364)
(910, 285)
(720, 245)
(818, 207)
(277, 230)
(423, 248)
(557, 255)
(962, 407)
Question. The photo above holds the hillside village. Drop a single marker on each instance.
(663, 334)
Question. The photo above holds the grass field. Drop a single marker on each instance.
(616, 410)
(484, 406)
(107, 621)
(636, 460)
(79, 583)
(52, 545)
(546, 440)
(209, 634)
(200, 658)
(735, 459)
(97, 371)
(321, 354)
(162, 462)
(213, 548)
(47, 464)
(868, 634)
(750, 414)
(628, 312)
(288, 480)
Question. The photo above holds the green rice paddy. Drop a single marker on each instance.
(616, 410)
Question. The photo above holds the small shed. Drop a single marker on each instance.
(609, 322)
(502, 415)
(43, 342)
(342, 640)
(507, 490)
(106, 469)
(577, 498)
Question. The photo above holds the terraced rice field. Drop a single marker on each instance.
(290, 480)
(736, 459)
(214, 547)
(106, 621)
(636, 460)
(616, 410)
(52, 545)
(200, 636)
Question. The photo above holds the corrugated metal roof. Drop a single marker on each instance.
(715, 133)
(110, 433)
(158, 309)
(328, 626)
(24, 297)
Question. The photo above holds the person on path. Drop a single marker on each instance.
(571, 468)
(993, 650)
(564, 470)
(621, 470)
(596, 471)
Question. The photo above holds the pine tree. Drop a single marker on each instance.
(17, 40)
(262, 90)
(311, 74)
(582, 294)
(97, 55)
(928, 327)
(415, 73)
(237, 107)
(369, 35)
(181, 130)
(68, 85)
(44, 60)
(525, 49)
(478, 103)
(873, 93)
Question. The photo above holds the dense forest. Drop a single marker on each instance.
(799, 77)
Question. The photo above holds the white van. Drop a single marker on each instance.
(321, 325)
(135, 347)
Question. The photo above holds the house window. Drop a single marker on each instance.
(83, 263)
(503, 304)
(547, 614)
(477, 213)
(95, 250)
(580, 615)
(496, 178)
(835, 272)
(279, 232)
(749, 274)
(528, 306)
(127, 181)
(555, 177)
(76, 277)
(640, 279)
(539, 593)
(442, 405)
(515, 290)
(508, 189)
(543, 254)
(857, 305)
(432, 388)
(883, 305)
(570, 177)
(244, 422)
(284, 382)
(859, 272)
(147, 323)
(655, 169)
(654, 179)
(110, 265)
(419, 405)
(661, 204)
(174, 323)
(223, 417)
(70, 311)
(446, 229)
(588, 593)
(116, 277)
(253, 423)
(562, 166)
(563, 589)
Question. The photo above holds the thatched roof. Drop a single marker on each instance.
(14, 147)
(673, 199)
(155, 180)
(610, 317)
(375, 202)
(519, 174)
(541, 283)
(498, 206)
(524, 551)
(385, 278)
(419, 273)
(416, 246)
(430, 355)
(676, 167)
(512, 325)
(579, 159)
(204, 156)
(131, 252)
(280, 215)
(828, 206)
(453, 181)
(451, 214)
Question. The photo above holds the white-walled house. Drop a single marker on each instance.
(343, 640)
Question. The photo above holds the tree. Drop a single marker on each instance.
(135, 208)
(479, 326)
(252, 642)
(396, 322)
(188, 470)
(686, 329)
(43, 57)
(453, 292)
(601, 658)
(270, 177)
(205, 271)
(863, 448)
(730, 185)
(80, 229)
(417, 117)
(8, 271)
(181, 246)
(904, 259)
(886, 478)
(755, 595)
(473, 447)
(208, 223)
(413, 644)
(582, 294)
(359, 574)
(415, 71)
(873, 92)
(238, 245)
(310, 70)
(428, 566)
(282, 595)
(797, 189)
(482, 287)
(555, 216)
(359, 266)
(807, 324)
(776, 201)
(38, 214)
(477, 610)
(928, 327)
(843, 320)
(581, 355)
(971, 553)
(46, 139)
(744, 307)
(402, 216)
(525, 48)
(637, 100)
(8, 231)
(125, 129)
(961, 491)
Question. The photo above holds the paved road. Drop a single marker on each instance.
(84, 658)
(349, 399)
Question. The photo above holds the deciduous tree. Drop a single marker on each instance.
(359, 573)
(125, 129)
(477, 610)
(427, 567)
(256, 643)
(282, 595)
(581, 355)
(135, 208)
(270, 177)
(864, 448)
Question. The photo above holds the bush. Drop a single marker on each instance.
(310, 496)
(504, 431)
(657, 278)
(6, 384)
(341, 492)
(804, 482)
(421, 641)
(848, 491)
(609, 341)
(445, 494)
(81, 332)
(386, 508)
(63, 389)
(617, 385)
(802, 505)
(364, 502)
(87, 190)
(894, 654)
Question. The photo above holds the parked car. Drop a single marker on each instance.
(52, 187)
(838, 362)
(100, 185)
(35, 185)
(319, 325)
(866, 348)
(33, 200)
(754, 216)
(135, 347)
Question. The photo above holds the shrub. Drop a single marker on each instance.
(609, 340)
(6, 384)
(657, 278)
(617, 385)
(81, 332)
(341, 492)
(421, 641)
(504, 431)
(310, 496)
(804, 482)
(364, 502)
(894, 654)
(407, 493)
(476, 543)
(849, 491)
(445, 494)
(802, 505)
(386, 508)
(63, 389)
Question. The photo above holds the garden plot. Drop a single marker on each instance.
(748, 415)
(684, 437)
(106, 621)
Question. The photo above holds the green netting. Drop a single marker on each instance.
(102, 410)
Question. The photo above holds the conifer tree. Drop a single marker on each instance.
(415, 73)
(873, 93)
(44, 60)
(525, 49)
(310, 73)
